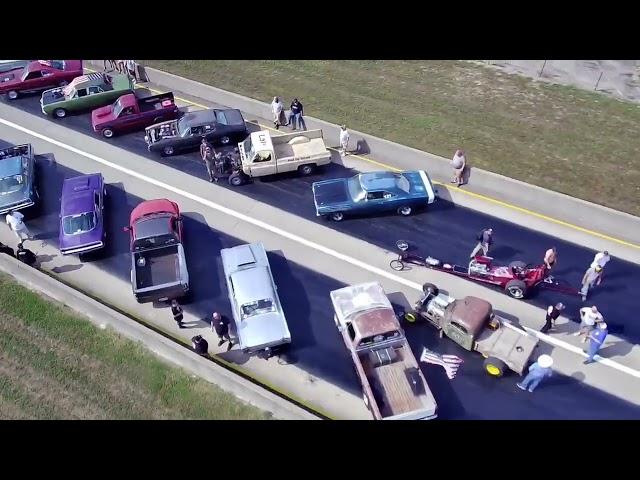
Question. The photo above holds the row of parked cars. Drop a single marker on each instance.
(393, 385)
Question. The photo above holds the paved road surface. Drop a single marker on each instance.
(318, 351)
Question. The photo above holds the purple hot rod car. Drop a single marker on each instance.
(81, 214)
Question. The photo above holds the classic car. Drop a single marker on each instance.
(158, 264)
(17, 178)
(261, 326)
(373, 192)
(219, 127)
(39, 75)
(130, 113)
(82, 214)
(85, 92)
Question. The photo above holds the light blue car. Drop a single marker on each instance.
(373, 192)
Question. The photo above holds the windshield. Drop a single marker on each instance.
(158, 241)
(11, 184)
(248, 148)
(257, 308)
(117, 109)
(183, 127)
(355, 189)
(402, 183)
(75, 224)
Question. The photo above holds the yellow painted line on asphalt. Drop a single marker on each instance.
(457, 189)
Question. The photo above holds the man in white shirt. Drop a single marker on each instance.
(601, 259)
(459, 163)
(589, 316)
(592, 277)
(277, 108)
(17, 225)
(344, 140)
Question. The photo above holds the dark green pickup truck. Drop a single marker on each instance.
(84, 93)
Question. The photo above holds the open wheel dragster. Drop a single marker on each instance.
(517, 279)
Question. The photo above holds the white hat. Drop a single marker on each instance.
(602, 325)
(545, 361)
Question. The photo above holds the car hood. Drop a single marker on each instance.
(53, 95)
(102, 115)
(262, 330)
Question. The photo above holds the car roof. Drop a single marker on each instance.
(199, 117)
(10, 166)
(252, 284)
(88, 80)
(154, 206)
(378, 181)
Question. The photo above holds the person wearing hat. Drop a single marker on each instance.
(200, 345)
(537, 372)
(220, 325)
(596, 339)
(553, 312)
(591, 278)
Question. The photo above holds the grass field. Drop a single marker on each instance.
(580, 143)
(56, 365)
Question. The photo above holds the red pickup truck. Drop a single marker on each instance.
(39, 75)
(130, 113)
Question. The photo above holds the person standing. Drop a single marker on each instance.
(553, 312)
(485, 240)
(344, 140)
(588, 319)
(596, 339)
(459, 163)
(600, 260)
(591, 278)
(203, 147)
(550, 258)
(220, 325)
(200, 345)
(25, 255)
(131, 69)
(277, 108)
(176, 311)
(209, 163)
(15, 220)
(297, 111)
(537, 372)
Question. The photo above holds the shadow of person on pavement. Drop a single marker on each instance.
(67, 268)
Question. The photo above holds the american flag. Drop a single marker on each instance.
(450, 363)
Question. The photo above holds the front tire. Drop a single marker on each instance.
(337, 216)
(59, 113)
(430, 289)
(495, 367)
(107, 133)
(236, 179)
(168, 151)
(516, 289)
(396, 265)
(306, 169)
(404, 211)
(12, 94)
(225, 140)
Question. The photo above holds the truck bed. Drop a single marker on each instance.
(390, 384)
(162, 266)
(154, 102)
(313, 148)
(509, 344)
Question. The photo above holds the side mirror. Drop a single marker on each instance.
(126, 229)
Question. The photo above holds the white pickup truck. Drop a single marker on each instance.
(262, 154)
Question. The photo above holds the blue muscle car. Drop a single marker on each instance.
(17, 186)
(373, 192)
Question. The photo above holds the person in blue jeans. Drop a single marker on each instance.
(596, 339)
(537, 372)
(297, 110)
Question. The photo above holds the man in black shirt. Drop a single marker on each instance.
(220, 325)
(200, 345)
(176, 310)
(297, 111)
(6, 249)
(552, 315)
(25, 255)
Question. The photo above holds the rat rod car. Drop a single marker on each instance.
(17, 178)
(81, 214)
(39, 75)
(373, 192)
(471, 323)
(517, 279)
(85, 92)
